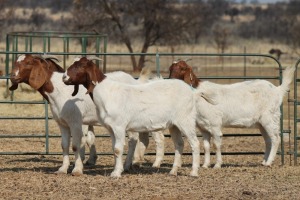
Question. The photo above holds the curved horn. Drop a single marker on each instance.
(94, 58)
(176, 61)
(51, 57)
(188, 59)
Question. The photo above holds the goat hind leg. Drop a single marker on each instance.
(160, 148)
(90, 140)
(179, 144)
(273, 134)
(206, 144)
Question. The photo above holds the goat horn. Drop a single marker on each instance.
(176, 61)
(188, 59)
(51, 57)
(94, 58)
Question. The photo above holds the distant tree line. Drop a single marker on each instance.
(154, 22)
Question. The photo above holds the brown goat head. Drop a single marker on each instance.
(34, 70)
(181, 70)
(83, 71)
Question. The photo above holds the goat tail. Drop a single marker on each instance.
(287, 78)
(145, 74)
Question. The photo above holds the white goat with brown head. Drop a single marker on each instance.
(70, 113)
(152, 106)
(245, 104)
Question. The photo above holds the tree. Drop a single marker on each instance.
(151, 21)
(232, 12)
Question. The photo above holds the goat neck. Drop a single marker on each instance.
(181, 70)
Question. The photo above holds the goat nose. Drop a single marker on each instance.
(64, 77)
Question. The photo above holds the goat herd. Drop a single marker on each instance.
(123, 105)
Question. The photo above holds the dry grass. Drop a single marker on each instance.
(242, 177)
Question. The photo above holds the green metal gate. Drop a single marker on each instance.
(158, 59)
(296, 101)
(43, 43)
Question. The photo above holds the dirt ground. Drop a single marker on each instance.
(32, 176)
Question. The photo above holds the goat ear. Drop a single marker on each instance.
(92, 76)
(76, 88)
(13, 87)
(37, 77)
(188, 76)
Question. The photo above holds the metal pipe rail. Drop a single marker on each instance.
(296, 119)
(158, 56)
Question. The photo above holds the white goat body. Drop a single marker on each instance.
(245, 104)
(151, 106)
(69, 112)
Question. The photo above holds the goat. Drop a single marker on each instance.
(244, 104)
(152, 106)
(45, 75)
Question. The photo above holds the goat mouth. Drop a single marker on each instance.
(15, 80)
(68, 81)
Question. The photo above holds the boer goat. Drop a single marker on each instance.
(70, 113)
(244, 104)
(152, 106)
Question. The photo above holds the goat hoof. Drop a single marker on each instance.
(115, 175)
(173, 172)
(217, 166)
(60, 172)
(156, 165)
(90, 163)
(194, 174)
(205, 166)
(77, 173)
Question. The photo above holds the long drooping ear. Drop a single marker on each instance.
(187, 76)
(190, 78)
(93, 73)
(37, 76)
(13, 87)
(76, 88)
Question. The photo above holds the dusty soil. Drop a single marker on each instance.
(32, 177)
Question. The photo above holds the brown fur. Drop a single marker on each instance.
(36, 72)
(181, 70)
(88, 75)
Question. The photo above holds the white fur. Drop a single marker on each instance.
(148, 107)
(245, 104)
(71, 112)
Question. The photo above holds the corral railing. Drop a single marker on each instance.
(296, 101)
(158, 59)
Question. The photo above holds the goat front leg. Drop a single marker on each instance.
(118, 148)
(77, 142)
(65, 144)
(160, 148)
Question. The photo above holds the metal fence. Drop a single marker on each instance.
(158, 58)
(296, 102)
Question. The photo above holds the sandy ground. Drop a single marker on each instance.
(32, 176)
